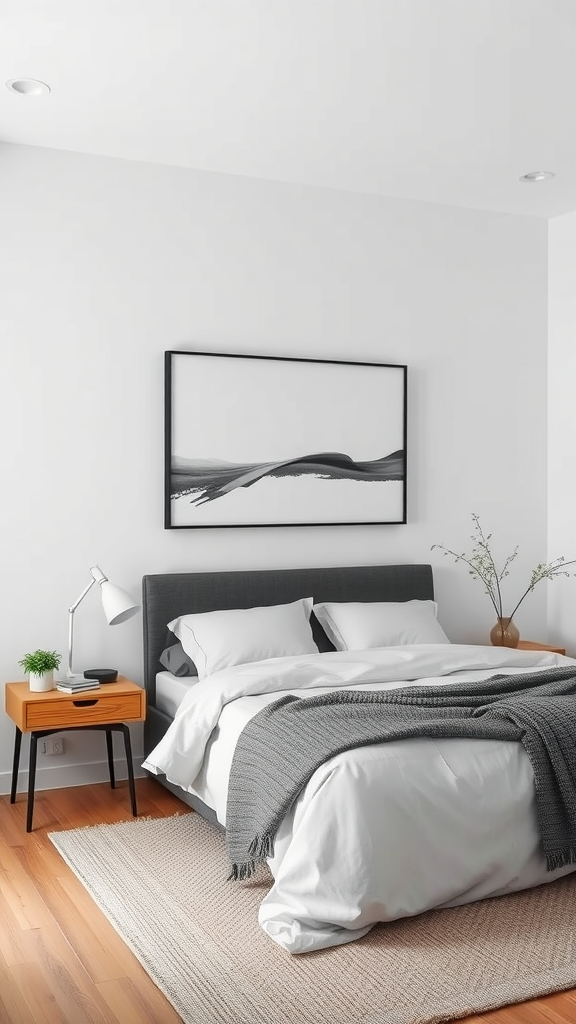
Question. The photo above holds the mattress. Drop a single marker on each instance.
(170, 691)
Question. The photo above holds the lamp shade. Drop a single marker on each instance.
(117, 604)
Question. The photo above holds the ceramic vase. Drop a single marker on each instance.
(504, 633)
(40, 681)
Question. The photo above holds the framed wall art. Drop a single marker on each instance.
(276, 441)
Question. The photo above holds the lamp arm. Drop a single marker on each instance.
(71, 611)
(74, 606)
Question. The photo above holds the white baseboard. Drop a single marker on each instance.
(64, 776)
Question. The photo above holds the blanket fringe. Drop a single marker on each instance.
(240, 872)
(260, 848)
(561, 859)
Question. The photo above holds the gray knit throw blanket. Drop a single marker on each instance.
(284, 744)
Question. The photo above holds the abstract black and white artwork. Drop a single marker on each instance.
(278, 441)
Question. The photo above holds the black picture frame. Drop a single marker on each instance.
(253, 440)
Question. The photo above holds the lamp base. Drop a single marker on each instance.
(103, 675)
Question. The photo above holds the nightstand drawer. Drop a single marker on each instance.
(84, 709)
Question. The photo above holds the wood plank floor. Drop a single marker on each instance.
(61, 962)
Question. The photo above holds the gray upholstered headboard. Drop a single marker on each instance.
(167, 595)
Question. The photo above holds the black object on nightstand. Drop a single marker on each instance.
(103, 675)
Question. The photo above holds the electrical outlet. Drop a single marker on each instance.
(50, 746)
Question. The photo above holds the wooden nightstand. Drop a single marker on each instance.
(107, 708)
(533, 645)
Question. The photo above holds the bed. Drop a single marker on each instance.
(379, 832)
(166, 595)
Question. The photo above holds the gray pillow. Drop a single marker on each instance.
(176, 661)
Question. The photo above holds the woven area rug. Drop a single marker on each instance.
(162, 884)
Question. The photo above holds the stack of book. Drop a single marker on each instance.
(77, 685)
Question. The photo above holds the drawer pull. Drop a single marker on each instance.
(84, 703)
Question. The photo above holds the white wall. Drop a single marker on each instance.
(104, 264)
(562, 424)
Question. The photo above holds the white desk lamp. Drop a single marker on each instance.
(117, 604)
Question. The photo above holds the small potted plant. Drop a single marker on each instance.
(40, 665)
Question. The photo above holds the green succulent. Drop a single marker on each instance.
(41, 661)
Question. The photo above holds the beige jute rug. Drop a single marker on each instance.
(162, 883)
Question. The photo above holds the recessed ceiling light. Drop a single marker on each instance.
(28, 87)
(533, 176)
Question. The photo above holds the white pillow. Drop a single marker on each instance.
(360, 626)
(217, 640)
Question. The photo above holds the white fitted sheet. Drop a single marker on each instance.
(170, 691)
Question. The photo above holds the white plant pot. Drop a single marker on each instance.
(40, 681)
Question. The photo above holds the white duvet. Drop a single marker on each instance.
(379, 832)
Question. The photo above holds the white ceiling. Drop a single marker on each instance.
(446, 101)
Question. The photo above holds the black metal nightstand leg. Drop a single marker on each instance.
(110, 750)
(130, 766)
(15, 764)
(31, 779)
